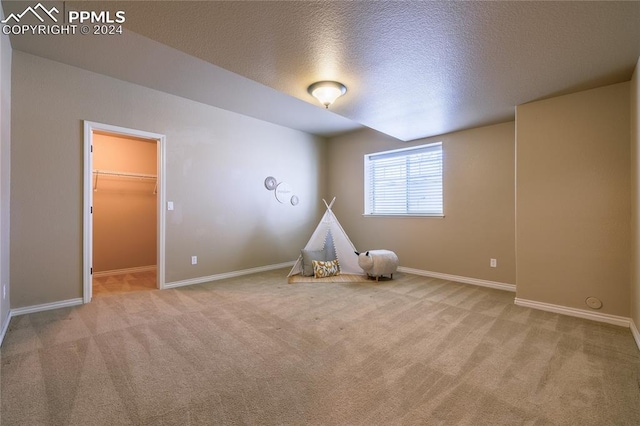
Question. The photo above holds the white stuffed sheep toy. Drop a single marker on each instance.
(377, 263)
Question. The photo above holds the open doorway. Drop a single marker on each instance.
(124, 215)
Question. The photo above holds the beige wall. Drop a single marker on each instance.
(216, 165)
(478, 203)
(573, 185)
(124, 209)
(573, 204)
(635, 196)
(5, 172)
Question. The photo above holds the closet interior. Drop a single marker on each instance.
(124, 213)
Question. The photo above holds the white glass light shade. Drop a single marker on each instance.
(326, 92)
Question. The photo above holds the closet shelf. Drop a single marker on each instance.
(123, 174)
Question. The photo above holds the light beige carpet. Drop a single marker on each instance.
(255, 350)
(124, 283)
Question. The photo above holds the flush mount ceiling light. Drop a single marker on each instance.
(327, 91)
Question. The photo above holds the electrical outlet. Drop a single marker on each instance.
(4, 292)
(493, 263)
(169, 205)
(194, 260)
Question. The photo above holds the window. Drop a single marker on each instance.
(404, 181)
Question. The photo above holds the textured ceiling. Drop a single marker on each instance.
(413, 68)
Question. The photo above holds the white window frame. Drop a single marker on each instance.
(434, 210)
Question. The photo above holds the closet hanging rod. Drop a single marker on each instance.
(124, 174)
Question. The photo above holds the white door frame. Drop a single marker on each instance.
(87, 264)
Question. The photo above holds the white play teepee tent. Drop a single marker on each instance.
(330, 227)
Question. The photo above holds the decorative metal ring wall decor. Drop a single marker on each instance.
(270, 183)
(282, 191)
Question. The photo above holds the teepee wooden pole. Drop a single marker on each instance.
(331, 204)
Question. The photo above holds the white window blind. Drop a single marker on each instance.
(405, 181)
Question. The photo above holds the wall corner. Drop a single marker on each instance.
(5, 177)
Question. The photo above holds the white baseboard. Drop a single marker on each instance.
(635, 332)
(574, 312)
(46, 307)
(5, 327)
(459, 279)
(124, 271)
(225, 275)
